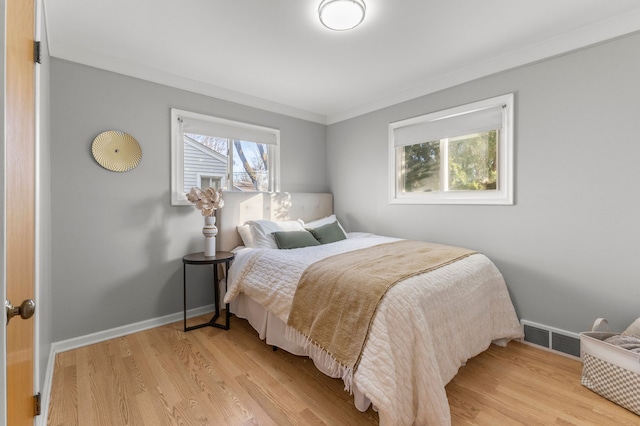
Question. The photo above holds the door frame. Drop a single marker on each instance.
(38, 249)
(38, 253)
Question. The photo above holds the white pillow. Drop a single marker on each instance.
(261, 231)
(633, 329)
(320, 222)
(245, 235)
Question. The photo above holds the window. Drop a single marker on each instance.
(461, 155)
(210, 151)
(209, 181)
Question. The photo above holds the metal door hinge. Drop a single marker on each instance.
(37, 52)
(37, 408)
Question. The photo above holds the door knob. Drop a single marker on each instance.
(25, 310)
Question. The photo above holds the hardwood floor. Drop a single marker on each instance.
(209, 376)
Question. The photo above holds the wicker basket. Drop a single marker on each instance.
(609, 370)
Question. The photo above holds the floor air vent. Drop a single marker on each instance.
(561, 341)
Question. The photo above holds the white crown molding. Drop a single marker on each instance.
(618, 26)
(120, 66)
(577, 39)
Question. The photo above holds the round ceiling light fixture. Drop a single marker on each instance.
(341, 15)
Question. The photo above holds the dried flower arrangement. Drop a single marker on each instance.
(207, 200)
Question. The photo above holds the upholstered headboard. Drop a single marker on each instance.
(242, 206)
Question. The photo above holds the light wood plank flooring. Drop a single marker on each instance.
(209, 376)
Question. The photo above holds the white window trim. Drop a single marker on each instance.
(501, 196)
(178, 197)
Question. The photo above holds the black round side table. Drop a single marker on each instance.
(221, 257)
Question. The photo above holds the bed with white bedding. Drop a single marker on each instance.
(424, 328)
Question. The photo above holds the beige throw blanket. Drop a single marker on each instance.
(337, 297)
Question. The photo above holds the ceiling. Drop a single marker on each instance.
(276, 55)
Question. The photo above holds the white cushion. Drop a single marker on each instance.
(633, 329)
(245, 235)
(261, 231)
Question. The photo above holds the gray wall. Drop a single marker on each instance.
(569, 247)
(117, 243)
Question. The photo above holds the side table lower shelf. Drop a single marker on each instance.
(221, 257)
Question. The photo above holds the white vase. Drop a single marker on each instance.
(209, 231)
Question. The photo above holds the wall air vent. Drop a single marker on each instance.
(561, 341)
(565, 344)
(535, 335)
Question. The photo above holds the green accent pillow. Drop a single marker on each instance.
(329, 233)
(294, 239)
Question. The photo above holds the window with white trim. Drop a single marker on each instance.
(212, 151)
(461, 155)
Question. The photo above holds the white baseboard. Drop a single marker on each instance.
(101, 336)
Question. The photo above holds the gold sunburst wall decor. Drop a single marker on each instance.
(116, 151)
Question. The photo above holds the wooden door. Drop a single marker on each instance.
(20, 206)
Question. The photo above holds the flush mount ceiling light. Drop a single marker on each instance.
(340, 15)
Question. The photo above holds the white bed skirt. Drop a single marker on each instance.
(271, 329)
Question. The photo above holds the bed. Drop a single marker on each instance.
(422, 328)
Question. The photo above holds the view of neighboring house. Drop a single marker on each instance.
(203, 166)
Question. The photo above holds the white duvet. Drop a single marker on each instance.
(425, 329)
